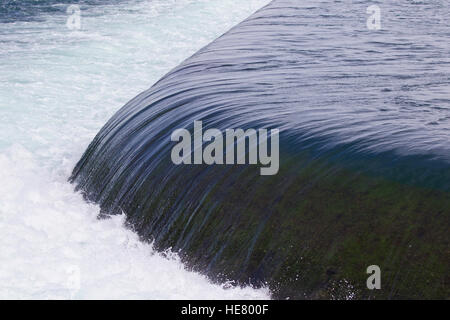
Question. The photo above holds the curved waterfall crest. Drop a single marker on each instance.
(364, 172)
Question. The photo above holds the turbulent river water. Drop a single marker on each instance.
(364, 175)
(58, 87)
(364, 120)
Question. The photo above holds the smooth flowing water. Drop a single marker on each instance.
(58, 87)
(364, 120)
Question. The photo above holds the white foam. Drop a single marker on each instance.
(57, 89)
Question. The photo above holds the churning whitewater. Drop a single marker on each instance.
(57, 89)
